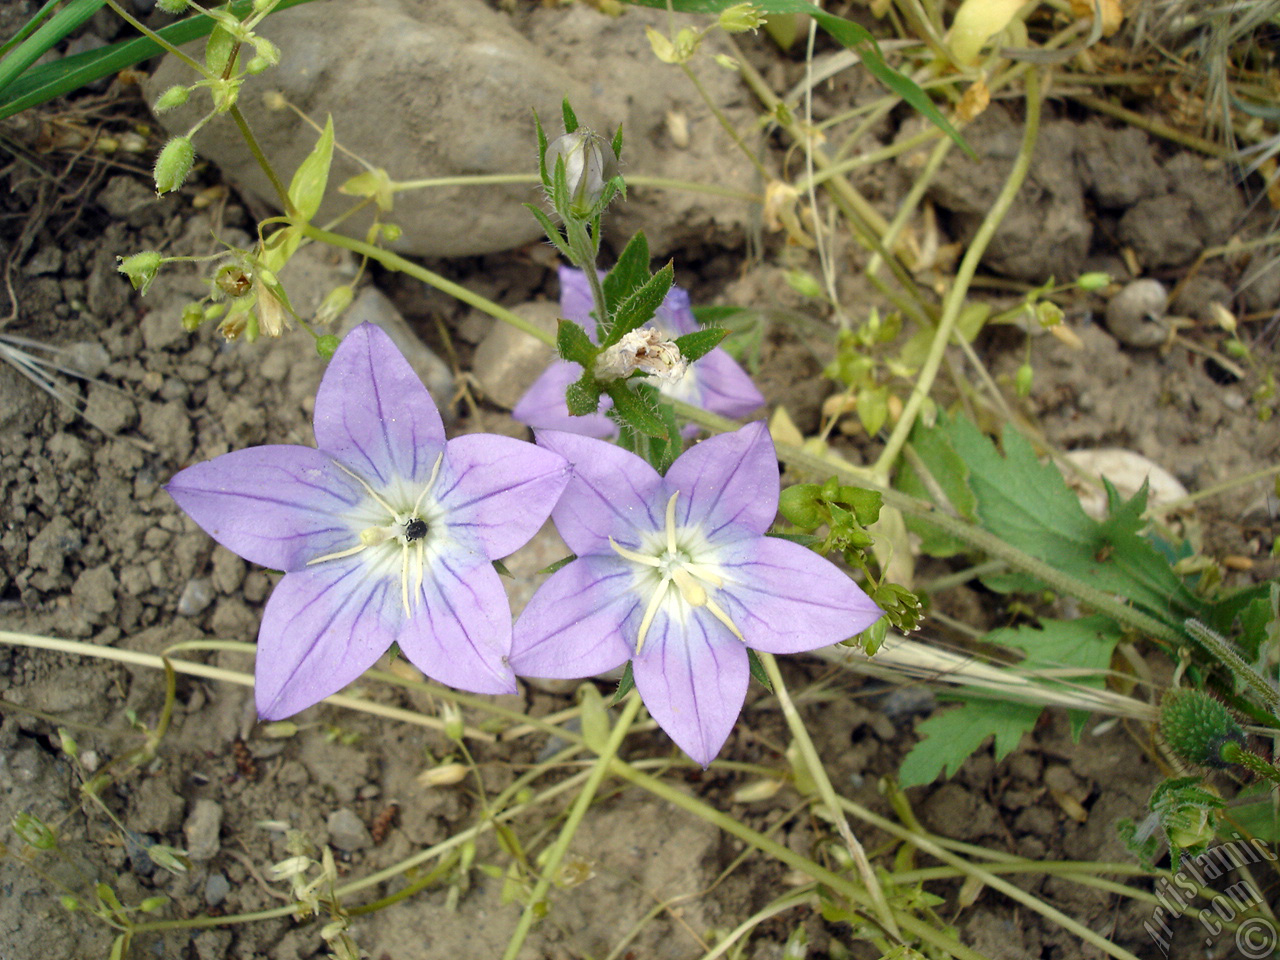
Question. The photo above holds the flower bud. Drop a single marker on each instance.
(175, 96)
(173, 164)
(1093, 281)
(326, 345)
(1196, 727)
(141, 269)
(335, 303)
(192, 317)
(34, 832)
(589, 164)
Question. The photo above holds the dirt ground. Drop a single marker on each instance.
(92, 548)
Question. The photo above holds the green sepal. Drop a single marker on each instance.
(625, 685)
(629, 406)
(629, 273)
(583, 396)
(573, 344)
(551, 230)
(666, 451)
(570, 118)
(558, 565)
(542, 153)
(757, 669)
(638, 309)
(218, 49)
(617, 143)
(502, 570)
(306, 189)
(696, 345)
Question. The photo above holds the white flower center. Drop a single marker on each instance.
(408, 529)
(673, 559)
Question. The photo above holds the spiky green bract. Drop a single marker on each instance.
(1196, 727)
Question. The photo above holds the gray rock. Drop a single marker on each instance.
(1161, 231)
(216, 889)
(109, 409)
(155, 807)
(463, 85)
(202, 828)
(347, 831)
(95, 588)
(53, 544)
(196, 597)
(1134, 314)
(1197, 297)
(508, 360)
(460, 82)
(1119, 165)
(228, 570)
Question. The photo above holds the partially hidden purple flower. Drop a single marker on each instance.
(674, 573)
(715, 383)
(386, 533)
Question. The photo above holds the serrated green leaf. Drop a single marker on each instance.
(951, 736)
(629, 273)
(573, 344)
(306, 190)
(696, 345)
(848, 33)
(631, 408)
(638, 309)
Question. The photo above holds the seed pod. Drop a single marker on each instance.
(1196, 727)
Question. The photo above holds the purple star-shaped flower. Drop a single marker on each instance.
(674, 573)
(386, 533)
(715, 383)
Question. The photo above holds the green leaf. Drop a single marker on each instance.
(1080, 649)
(306, 190)
(758, 671)
(551, 230)
(631, 408)
(49, 80)
(573, 344)
(35, 43)
(849, 34)
(570, 119)
(696, 345)
(950, 737)
(638, 309)
(583, 396)
(629, 273)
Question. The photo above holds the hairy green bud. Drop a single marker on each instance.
(141, 269)
(1197, 727)
(1093, 281)
(34, 832)
(740, 18)
(174, 164)
(326, 345)
(174, 97)
(589, 165)
(172, 6)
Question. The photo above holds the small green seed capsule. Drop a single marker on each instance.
(1196, 727)
(174, 164)
(141, 269)
(326, 345)
(172, 98)
(1022, 382)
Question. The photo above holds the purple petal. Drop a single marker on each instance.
(278, 506)
(613, 493)
(543, 406)
(459, 632)
(674, 314)
(576, 302)
(499, 489)
(322, 628)
(787, 599)
(572, 627)
(693, 682)
(730, 479)
(724, 387)
(373, 413)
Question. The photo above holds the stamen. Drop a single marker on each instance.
(367, 489)
(692, 591)
(714, 609)
(633, 556)
(404, 579)
(650, 610)
(435, 472)
(339, 555)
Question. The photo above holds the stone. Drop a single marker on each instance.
(216, 888)
(202, 828)
(50, 547)
(1161, 231)
(347, 831)
(1134, 314)
(463, 84)
(1119, 165)
(155, 807)
(196, 597)
(95, 588)
(508, 360)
